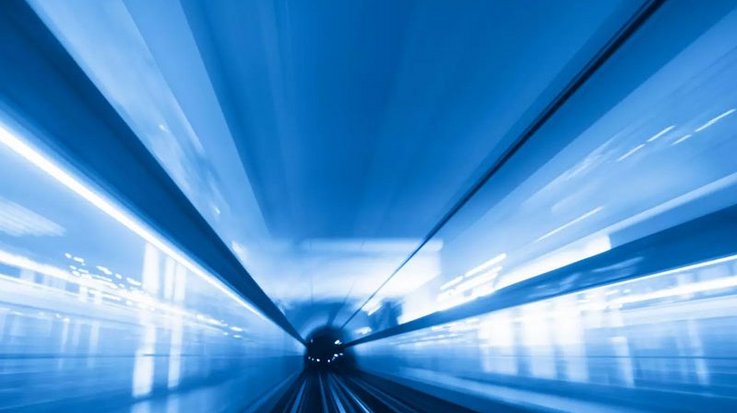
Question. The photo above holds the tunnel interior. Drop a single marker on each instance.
(368, 206)
(325, 350)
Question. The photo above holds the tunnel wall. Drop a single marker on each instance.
(650, 329)
(98, 312)
(660, 342)
(99, 309)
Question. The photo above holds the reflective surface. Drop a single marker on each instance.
(662, 342)
(613, 166)
(95, 316)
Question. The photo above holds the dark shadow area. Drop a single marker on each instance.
(327, 391)
(331, 382)
(326, 350)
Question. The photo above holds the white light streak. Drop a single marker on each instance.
(696, 266)
(715, 120)
(631, 152)
(452, 282)
(718, 284)
(134, 282)
(682, 139)
(487, 264)
(33, 156)
(476, 281)
(569, 224)
(105, 270)
(661, 133)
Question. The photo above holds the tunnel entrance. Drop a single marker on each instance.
(326, 350)
(332, 382)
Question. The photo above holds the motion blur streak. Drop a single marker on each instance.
(43, 163)
(106, 322)
(660, 342)
(368, 206)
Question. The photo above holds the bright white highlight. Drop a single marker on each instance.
(631, 152)
(18, 146)
(715, 120)
(661, 133)
(487, 264)
(569, 224)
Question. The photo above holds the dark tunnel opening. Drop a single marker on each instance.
(325, 350)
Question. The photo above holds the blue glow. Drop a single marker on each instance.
(620, 178)
(661, 342)
(474, 203)
(91, 300)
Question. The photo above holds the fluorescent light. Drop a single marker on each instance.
(631, 152)
(661, 133)
(715, 120)
(703, 286)
(682, 138)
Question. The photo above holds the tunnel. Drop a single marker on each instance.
(368, 206)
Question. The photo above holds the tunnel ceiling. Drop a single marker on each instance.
(323, 140)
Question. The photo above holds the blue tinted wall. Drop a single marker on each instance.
(99, 313)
